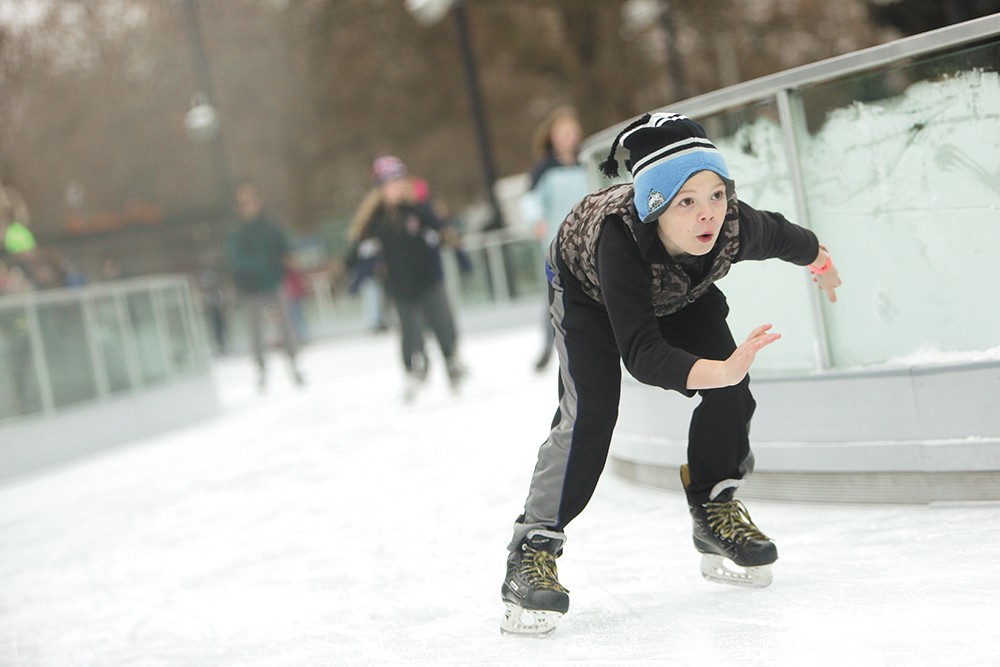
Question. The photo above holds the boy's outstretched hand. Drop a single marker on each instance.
(709, 374)
(825, 273)
(829, 282)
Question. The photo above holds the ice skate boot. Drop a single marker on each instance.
(533, 597)
(456, 372)
(724, 531)
(415, 377)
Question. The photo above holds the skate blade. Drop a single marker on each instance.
(715, 569)
(528, 622)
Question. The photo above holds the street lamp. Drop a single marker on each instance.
(202, 119)
(643, 14)
(429, 12)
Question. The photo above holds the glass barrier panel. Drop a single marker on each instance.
(19, 390)
(902, 179)
(525, 267)
(476, 284)
(111, 339)
(751, 141)
(67, 352)
(147, 337)
(181, 340)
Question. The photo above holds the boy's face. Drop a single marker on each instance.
(691, 224)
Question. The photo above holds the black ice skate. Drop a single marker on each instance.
(724, 531)
(533, 597)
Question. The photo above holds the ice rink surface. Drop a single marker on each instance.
(337, 526)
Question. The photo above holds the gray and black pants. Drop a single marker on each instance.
(257, 307)
(572, 458)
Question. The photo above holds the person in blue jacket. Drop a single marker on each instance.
(558, 182)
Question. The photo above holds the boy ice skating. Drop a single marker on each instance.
(631, 274)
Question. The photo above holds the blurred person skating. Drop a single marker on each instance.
(632, 273)
(258, 253)
(42, 268)
(558, 182)
(405, 232)
(294, 285)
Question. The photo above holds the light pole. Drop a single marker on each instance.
(429, 12)
(202, 119)
(642, 14)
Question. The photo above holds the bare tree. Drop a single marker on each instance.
(309, 91)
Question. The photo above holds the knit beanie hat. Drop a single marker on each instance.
(665, 149)
(387, 168)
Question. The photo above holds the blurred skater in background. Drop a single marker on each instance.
(558, 182)
(258, 254)
(400, 226)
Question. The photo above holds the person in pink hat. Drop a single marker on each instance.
(398, 222)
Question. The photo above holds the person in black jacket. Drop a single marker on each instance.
(632, 275)
(406, 233)
(257, 250)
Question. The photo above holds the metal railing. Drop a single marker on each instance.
(67, 347)
(891, 156)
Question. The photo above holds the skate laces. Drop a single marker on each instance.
(731, 521)
(538, 568)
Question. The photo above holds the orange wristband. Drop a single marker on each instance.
(827, 265)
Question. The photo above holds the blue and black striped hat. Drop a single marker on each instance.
(665, 149)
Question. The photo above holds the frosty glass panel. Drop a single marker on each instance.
(66, 352)
(475, 286)
(180, 340)
(751, 141)
(147, 337)
(902, 180)
(526, 267)
(19, 390)
(111, 338)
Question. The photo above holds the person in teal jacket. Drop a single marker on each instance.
(258, 253)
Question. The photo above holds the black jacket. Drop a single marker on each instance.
(410, 238)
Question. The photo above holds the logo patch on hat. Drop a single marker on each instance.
(655, 200)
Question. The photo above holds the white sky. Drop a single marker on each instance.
(336, 526)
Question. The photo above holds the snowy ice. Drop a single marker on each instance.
(337, 526)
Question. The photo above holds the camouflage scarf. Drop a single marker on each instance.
(672, 288)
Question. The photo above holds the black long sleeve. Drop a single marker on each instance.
(768, 235)
(625, 285)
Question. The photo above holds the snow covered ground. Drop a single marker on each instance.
(336, 526)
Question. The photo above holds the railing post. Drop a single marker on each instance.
(38, 356)
(789, 115)
(133, 363)
(97, 361)
(162, 333)
(498, 272)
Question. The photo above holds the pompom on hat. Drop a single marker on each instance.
(665, 150)
(387, 168)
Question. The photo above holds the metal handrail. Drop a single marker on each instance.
(823, 70)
